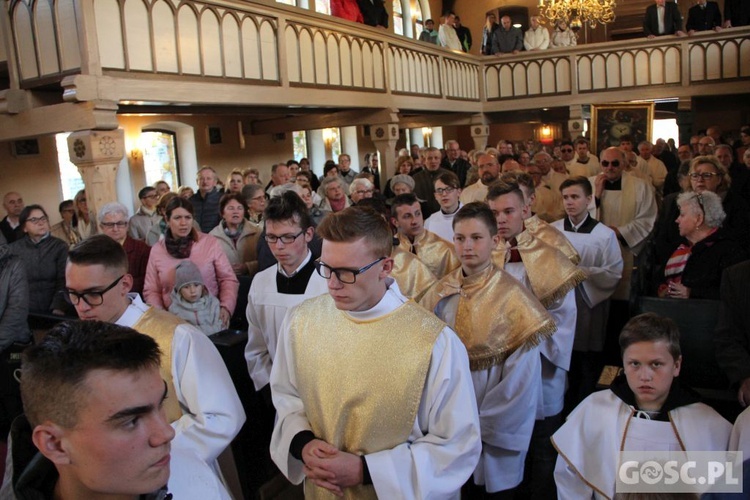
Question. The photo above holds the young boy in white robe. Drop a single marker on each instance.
(644, 410)
(500, 322)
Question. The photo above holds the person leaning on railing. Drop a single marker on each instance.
(562, 35)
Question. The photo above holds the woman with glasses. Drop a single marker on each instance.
(66, 228)
(694, 269)
(182, 242)
(706, 174)
(44, 258)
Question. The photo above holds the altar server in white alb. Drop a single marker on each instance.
(601, 259)
(203, 406)
(644, 410)
(277, 289)
(500, 322)
(447, 192)
(373, 393)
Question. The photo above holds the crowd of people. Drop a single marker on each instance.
(521, 258)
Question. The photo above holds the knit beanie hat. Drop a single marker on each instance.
(186, 273)
(403, 179)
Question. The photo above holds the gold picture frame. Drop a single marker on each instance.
(611, 121)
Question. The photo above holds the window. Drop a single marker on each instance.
(159, 156)
(418, 19)
(300, 144)
(323, 6)
(398, 17)
(70, 177)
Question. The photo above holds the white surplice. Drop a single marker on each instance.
(266, 308)
(589, 442)
(601, 259)
(444, 443)
(212, 414)
(507, 396)
(441, 224)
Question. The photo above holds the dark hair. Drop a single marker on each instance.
(99, 249)
(406, 199)
(376, 204)
(145, 191)
(500, 188)
(176, 203)
(477, 210)
(65, 204)
(357, 222)
(567, 142)
(26, 213)
(306, 174)
(449, 179)
(53, 372)
(229, 197)
(521, 178)
(650, 327)
(328, 167)
(289, 163)
(577, 181)
(288, 206)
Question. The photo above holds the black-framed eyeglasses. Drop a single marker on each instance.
(705, 175)
(442, 191)
(567, 150)
(286, 239)
(92, 298)
(110, 225)
(346, 276)
(614, 163)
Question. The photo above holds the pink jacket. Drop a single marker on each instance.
(213, 264)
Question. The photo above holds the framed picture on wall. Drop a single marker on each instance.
(214, 134)
(23, 148)
(609, 122)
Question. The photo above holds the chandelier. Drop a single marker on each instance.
(577, 12)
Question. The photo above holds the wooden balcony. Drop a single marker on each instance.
(202, 53)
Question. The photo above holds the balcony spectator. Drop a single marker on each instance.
(373, 14)
(506, 39)
(65, 229)
(86, 225)
(347, 9)
(563, 36)
(703, 16)
(536, 37)
(662, 18)
(490, 25)
(429, 33)
(464, 34)
(447, 35)
(736, 13)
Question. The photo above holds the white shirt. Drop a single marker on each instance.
(444, 444)
(448, 38)
(536, 39)
(441, 224)
(266, 308)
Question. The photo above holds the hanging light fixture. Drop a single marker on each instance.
(577, 12)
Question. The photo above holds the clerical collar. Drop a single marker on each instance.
(613, 185)
(304, 262)
(585, 226)
(678, 396)
(388, 302)
(583, 161)
(295, 284)
(458, 207)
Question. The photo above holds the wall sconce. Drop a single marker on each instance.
(546, 133)
(329, 136)
(136, 154)
(427, 135)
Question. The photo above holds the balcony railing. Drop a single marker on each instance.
(276, 46)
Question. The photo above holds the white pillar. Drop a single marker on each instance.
(123, 184)
(349, 146)
(317, 150)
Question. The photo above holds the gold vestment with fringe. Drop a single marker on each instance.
(412, 275)
(434, 251)
(552, 237)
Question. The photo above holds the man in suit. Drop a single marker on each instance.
(374, 13)
(662, 18)
(736, 13)
(703, 16)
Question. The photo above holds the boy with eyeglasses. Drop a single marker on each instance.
(203, 406)
(373, 393)
(447, 192)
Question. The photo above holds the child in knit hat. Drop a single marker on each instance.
(192, 301)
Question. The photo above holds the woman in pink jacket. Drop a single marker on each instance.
(182, 242)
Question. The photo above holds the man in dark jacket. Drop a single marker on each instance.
(454, 162)
(10, 226)
(374, 13)
(703, 16)
(507, 39)
(206, 200)
(662, 18)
